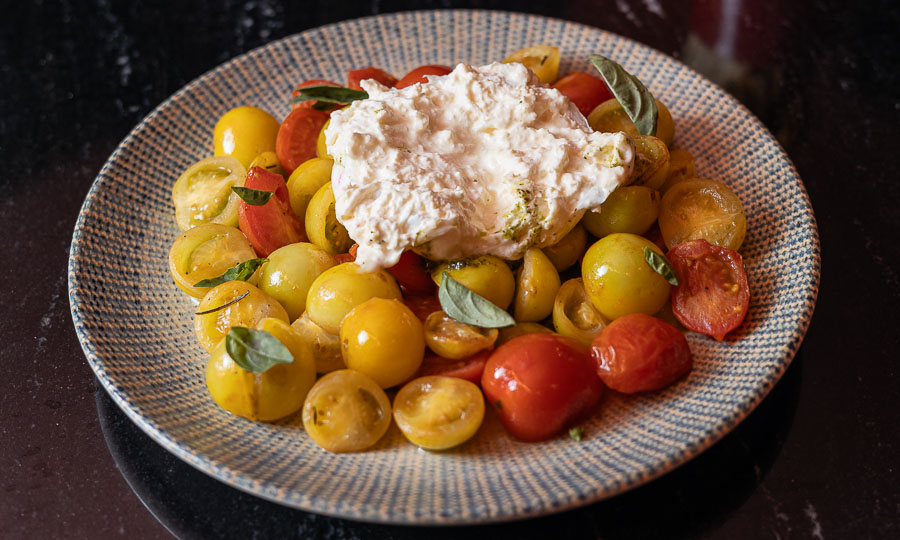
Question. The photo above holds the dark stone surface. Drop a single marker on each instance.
(817, 459)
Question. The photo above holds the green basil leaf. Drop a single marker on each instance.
(255, 350)
(465, 306)
(238, 272)
(661, 265)
(253, 197)
(331, 94)
(576, 433)
(637, 101)
(323, 105)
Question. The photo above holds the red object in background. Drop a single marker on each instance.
(271, 225)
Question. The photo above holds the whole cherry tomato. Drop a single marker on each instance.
(470, 369)
(410, 273)
(274, 224)
(311, 82)
(355, 76)
(637, 352)
(712, 296)
(584, 90)
(540, 384)
(297, 137)
(418, 75)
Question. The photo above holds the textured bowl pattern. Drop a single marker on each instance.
(135, 326)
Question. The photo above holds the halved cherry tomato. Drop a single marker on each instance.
(422, 306)
(637, 352)
(418, 75)
(297, 137)
(355, 76)
(541, 383)
(411, 274)
(470, 368)
(584, 90)
(437, 413)
(712, 296)
(309, 104)
(274, 224)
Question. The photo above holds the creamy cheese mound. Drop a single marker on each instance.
(484, 160)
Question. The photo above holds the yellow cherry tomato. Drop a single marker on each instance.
(681, 167)
(244, 133)
(567, 251)
(204, 252)
(452, 339)
(268, 161)
(383, 339)
(267, 396)
(321, 144)
(702, 208)
(543, 60)
(255, 305)
(651, 162)
(322, 226)
(343, 287)
(326, 348)
(290, 272)
(631, 209)
(202, 194)
(610, 117)
(306, 180)
(346, 411)
(536, 287)
(438, 412)
(574, 315)
(486, 275)
(618, 279)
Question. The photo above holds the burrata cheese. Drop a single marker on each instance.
(484, 160)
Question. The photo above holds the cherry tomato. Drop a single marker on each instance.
(584, 90)
(418, 75)
(712, 296)
(541, 383)
(297, 137)
(437, 413)
(410, 273)
(309, 104)
(470, 368)
(637, 352)
(274, 224)
(355, 76)
(350, 256)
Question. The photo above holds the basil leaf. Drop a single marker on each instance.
(238, 272)
(330, 94)
(637, 101)
(576, 433)
(254, 197)
(465, 306)
(255, 350)
(660, 265)
(223, 306)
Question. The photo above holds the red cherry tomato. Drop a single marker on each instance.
(355, 76)
(418, 75)
(638, 352)
(712, 296)
(297, 137)
(540, 384)
(585, 91)
(350, 256)
(470, 369)
(311, 82)
(422, 306)
(274, 224)
(410, 273)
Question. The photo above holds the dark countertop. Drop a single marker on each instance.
(817, 459)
